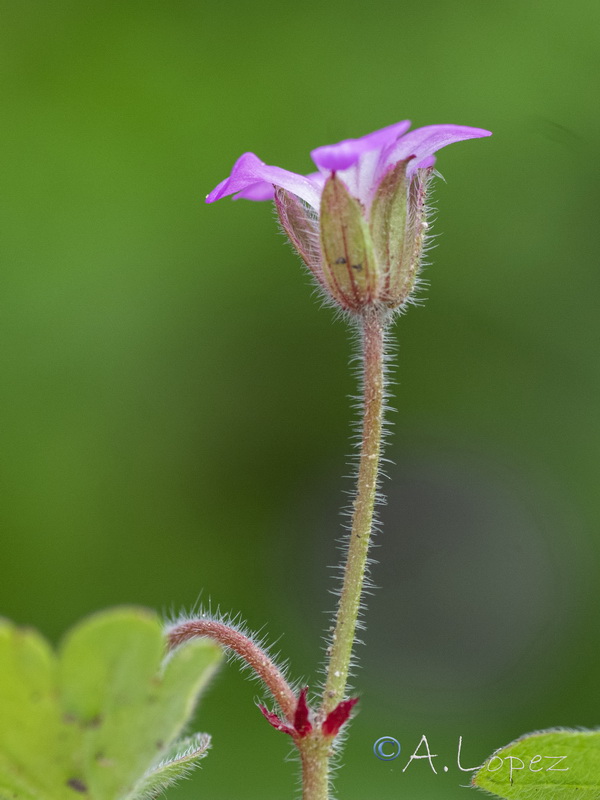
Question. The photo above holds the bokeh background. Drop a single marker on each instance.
(175, 405)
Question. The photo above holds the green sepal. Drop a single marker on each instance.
(301, 226)
(557, 765)
(349, 265)
(388, 222)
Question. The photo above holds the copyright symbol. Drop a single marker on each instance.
(387, 748)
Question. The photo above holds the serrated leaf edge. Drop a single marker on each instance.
(187, 754)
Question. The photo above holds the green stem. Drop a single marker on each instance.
(316, 751)
(342, 641)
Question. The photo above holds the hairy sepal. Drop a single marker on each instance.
(349, 263)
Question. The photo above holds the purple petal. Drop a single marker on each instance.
(256, 191)
(265, 191)
(346, 153)
(426, 163)
(424, 142)
(318, 179)
(249, 174)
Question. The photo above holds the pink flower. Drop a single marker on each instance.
(359, 222)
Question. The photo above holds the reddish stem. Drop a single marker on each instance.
(247, 650)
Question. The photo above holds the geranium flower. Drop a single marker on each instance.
(359, 222)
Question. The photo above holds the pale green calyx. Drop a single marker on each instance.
(397, 225)
(349, 263)
(362, 258)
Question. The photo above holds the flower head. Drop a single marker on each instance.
(359, 221)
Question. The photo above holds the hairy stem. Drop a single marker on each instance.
(247, 650)
(316, 753)
(342, 642)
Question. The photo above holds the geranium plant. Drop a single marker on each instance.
(104, 717)
(360, 225)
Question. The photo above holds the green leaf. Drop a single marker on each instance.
(30, 723)
(101, 715)
(548, 765)
(184, 755)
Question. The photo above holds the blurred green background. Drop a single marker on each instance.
(174, 403)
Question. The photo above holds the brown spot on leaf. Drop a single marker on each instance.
(77, 785)
(103, 761)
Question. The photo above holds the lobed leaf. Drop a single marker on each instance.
(102, 714)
